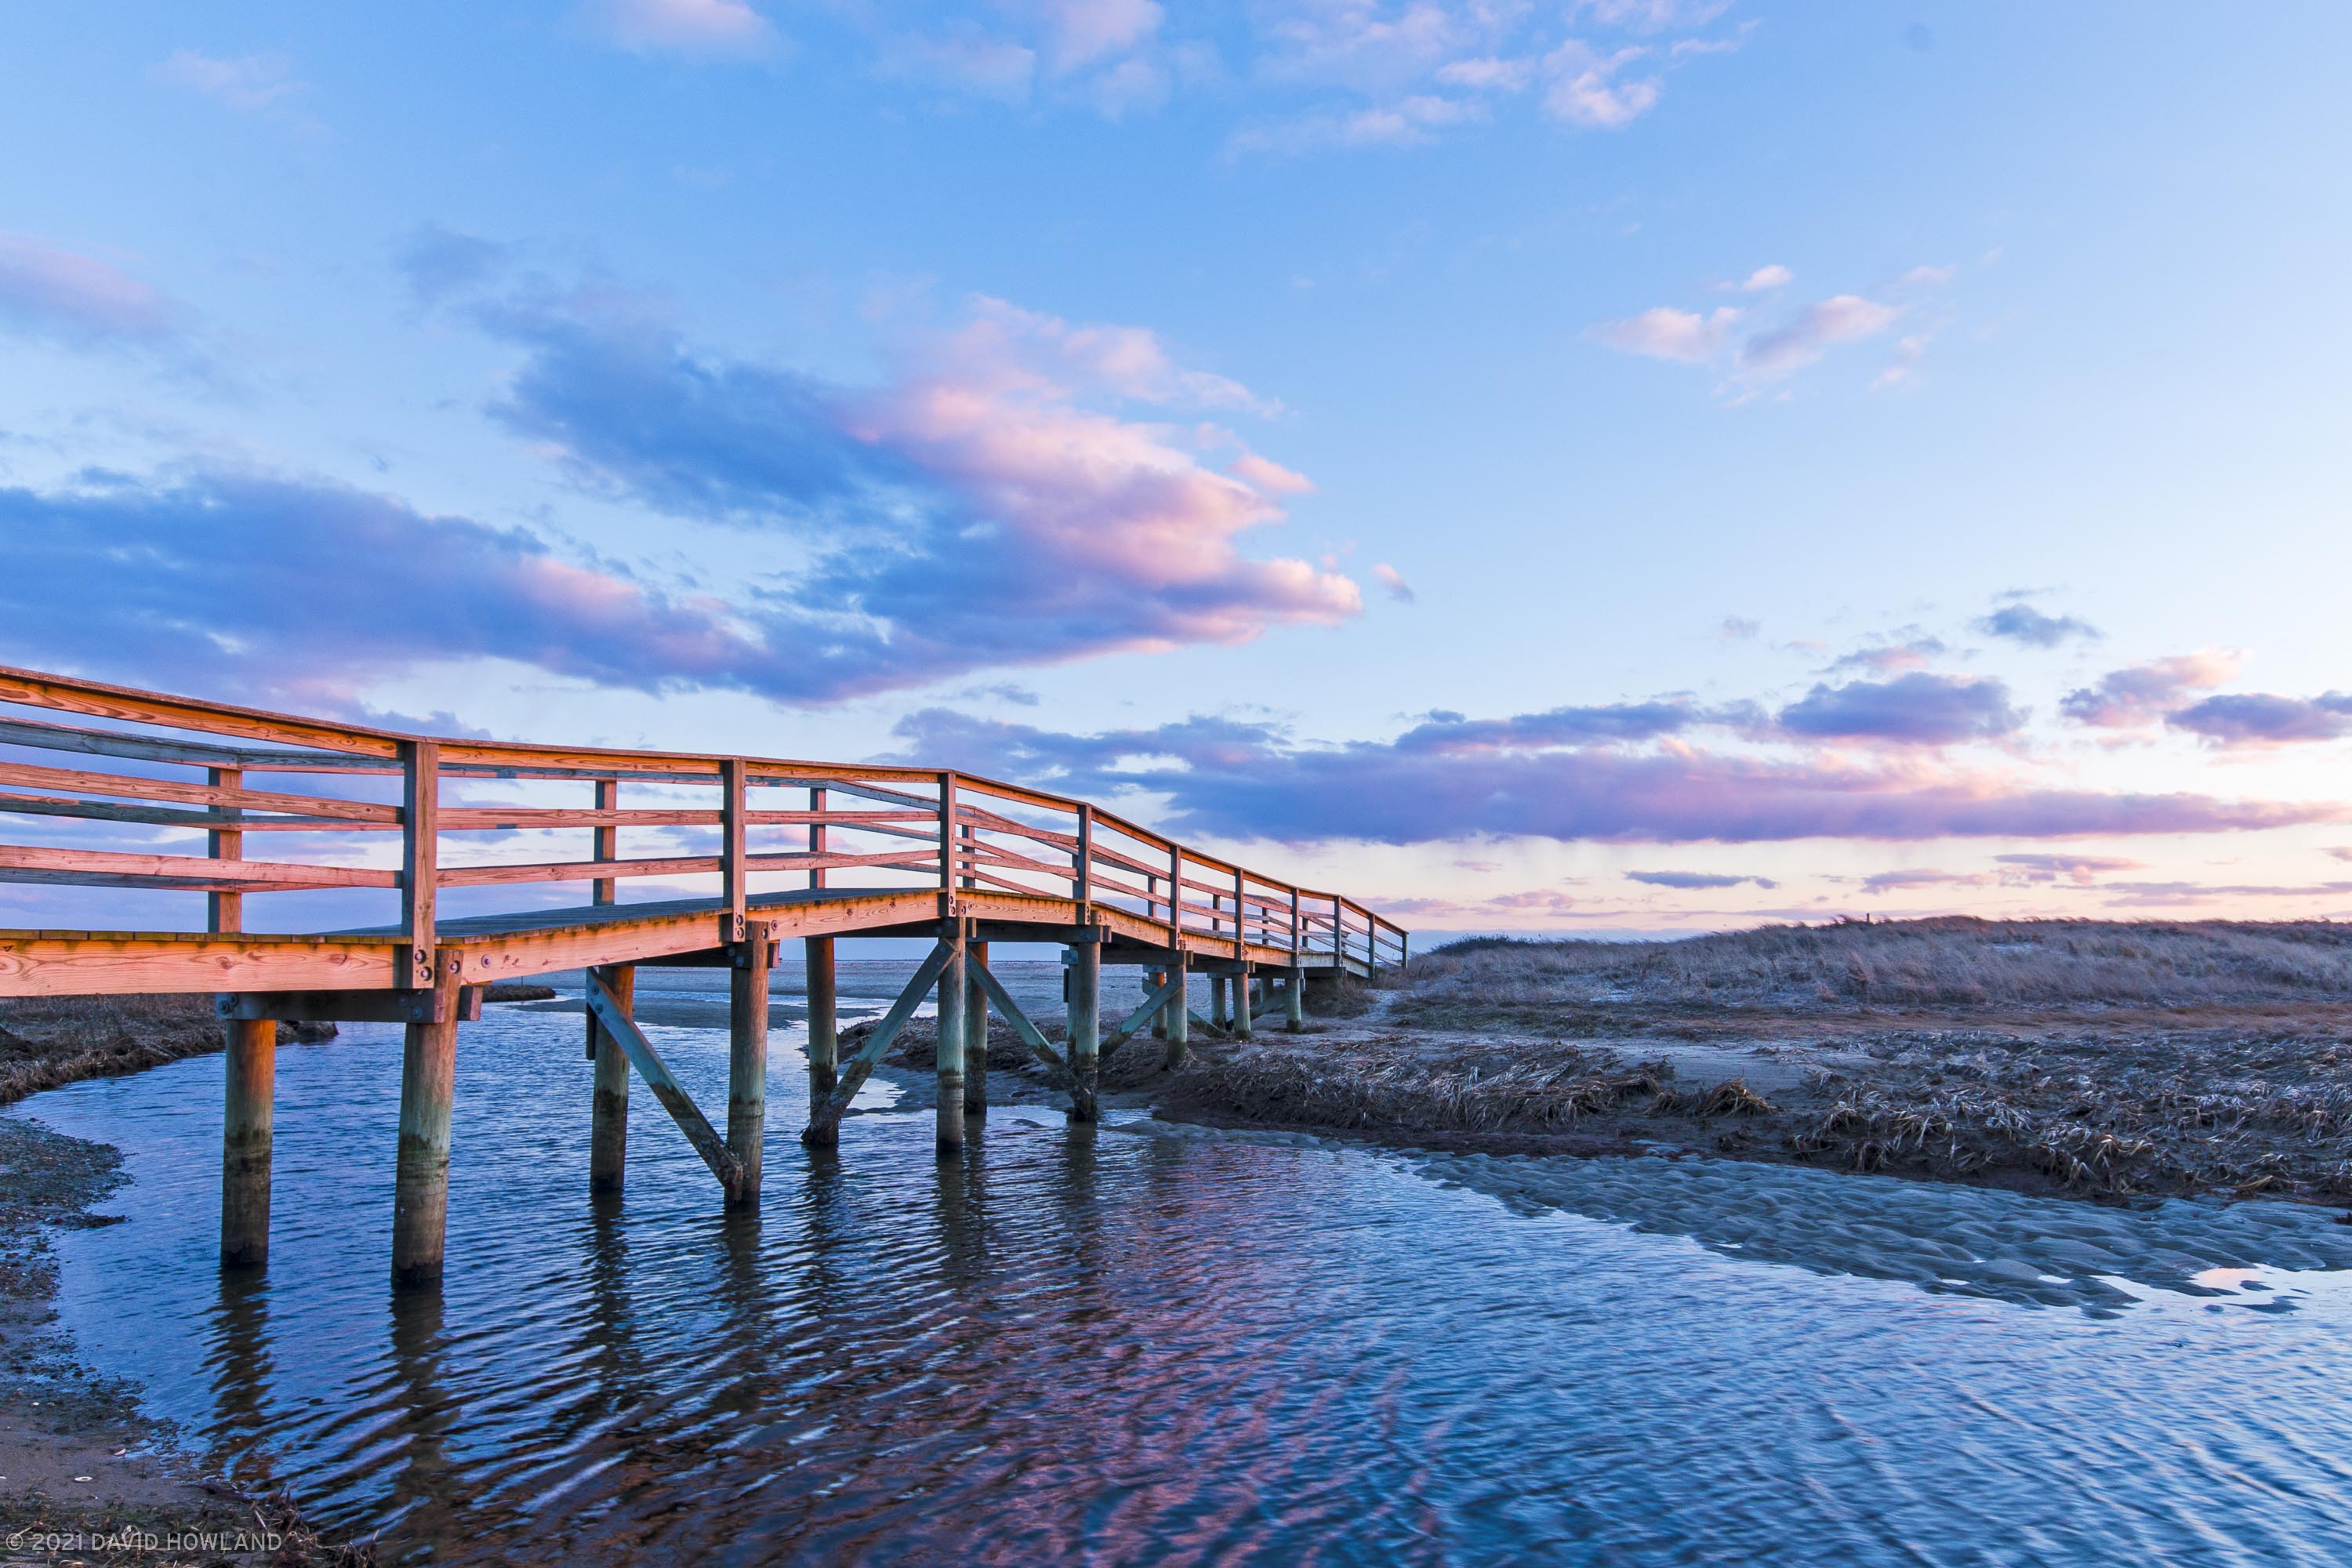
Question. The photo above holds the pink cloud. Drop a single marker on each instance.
(1082, 31)
(1585, 91)
(1840, 319)
(1685, 337)
(706, 28)
(2141, 696)
(1270, 477)
(48, 293)
(1246, 781)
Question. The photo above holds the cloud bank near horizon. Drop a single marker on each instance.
(1241, 781)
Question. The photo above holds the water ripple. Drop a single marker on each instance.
(1141, 1343)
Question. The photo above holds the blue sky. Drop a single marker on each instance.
(1635, 464)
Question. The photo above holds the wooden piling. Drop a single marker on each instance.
(251, 1082)
(1179, 1018)
(1245, 1004)
(1293, 1000)
(1152, 981)
(1217, 1001)
(824, 1024)
(975, 1031)
(608, 1114)
(1084, 1028)
(245, 1141)
(747, 1066)
(420, 1194)
(952, 985)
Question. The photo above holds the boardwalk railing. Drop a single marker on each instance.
(170, 796)
(405, 872)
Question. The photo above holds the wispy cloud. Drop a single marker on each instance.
(1750, 360)
(2047, 866)
(1921, 876)
(61, 296)
(1689, 880)
(2022, 624)
(1838, 319)
(1915, 651)
(249, 84)
(1682, 337)
(709, 29)
(1596, 90)
(1393, 581)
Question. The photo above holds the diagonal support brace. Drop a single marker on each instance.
(826, 1117)
(1207, 1027)
(1030, 1035)
(1144, 1014)
(664, 1085)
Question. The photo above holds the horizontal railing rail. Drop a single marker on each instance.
(108, 801)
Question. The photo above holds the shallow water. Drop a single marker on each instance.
(1144, 1342)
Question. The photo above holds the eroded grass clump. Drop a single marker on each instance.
(1403, 1092)
(2173, 1114)
(45, 1041)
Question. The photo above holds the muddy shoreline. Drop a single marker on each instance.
(85, 1477)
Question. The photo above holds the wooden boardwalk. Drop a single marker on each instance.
(159, 797)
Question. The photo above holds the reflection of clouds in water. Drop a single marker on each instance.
(1971, 1241)
(697, 998)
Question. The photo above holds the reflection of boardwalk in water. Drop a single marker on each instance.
(883, 851)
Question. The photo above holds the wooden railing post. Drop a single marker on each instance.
(948, 872)
(249, 1082)
(608, 838)
(224, 911)
(1083, 890)
(1241, 916)
(823, 1038)
(733, 871)
(420, 856)
(1176, 897)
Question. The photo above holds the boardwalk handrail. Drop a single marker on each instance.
(696, 817)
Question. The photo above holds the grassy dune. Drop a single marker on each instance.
(1949, 965)
(2112, 1060)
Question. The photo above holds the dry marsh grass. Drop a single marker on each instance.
(1950, 963)
(45, 1041)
